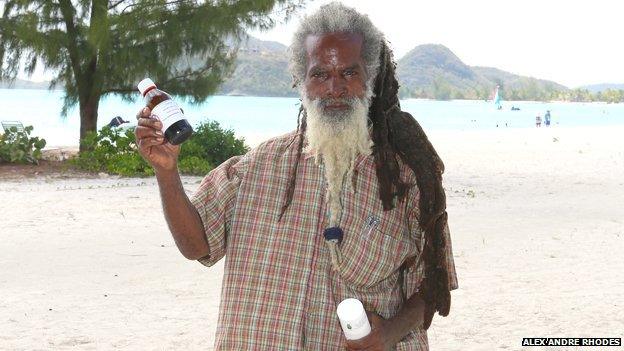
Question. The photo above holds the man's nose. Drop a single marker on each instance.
(336, 88)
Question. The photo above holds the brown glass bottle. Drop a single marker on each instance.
(175, 127)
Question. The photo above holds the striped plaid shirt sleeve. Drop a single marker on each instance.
(215, 201)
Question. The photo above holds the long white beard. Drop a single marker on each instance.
(336, 139)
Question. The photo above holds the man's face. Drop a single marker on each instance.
(335, 71)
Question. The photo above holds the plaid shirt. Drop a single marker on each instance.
(279, 291)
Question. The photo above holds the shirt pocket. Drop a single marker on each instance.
(373, 253)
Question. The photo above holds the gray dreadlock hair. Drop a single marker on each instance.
(335, 18)
(396, 135)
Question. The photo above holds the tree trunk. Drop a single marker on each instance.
(88, 118)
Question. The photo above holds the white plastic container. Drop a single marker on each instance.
(353, 319)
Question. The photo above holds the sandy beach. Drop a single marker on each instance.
(537, 222)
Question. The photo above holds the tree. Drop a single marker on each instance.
(441, 89)
(99, 47)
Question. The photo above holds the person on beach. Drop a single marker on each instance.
(547, 118)
(117, 121)
(348, 205)
(538, 121)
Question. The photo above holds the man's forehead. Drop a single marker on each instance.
(339, 44)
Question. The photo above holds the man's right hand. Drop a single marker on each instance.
(152, 144)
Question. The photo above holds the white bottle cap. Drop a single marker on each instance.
(353, 319)
(145, 84)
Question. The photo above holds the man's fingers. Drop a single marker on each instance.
(145, 112)
(142, 132)
(150, 122)
(141, 112)
(148, 142)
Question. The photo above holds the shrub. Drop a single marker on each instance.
(213, 144)
(19, 147)
(114, 150)
(194, 165)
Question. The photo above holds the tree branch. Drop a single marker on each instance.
(190, 73)
(114, 4)
(122, 90)
(165, 4)
(72, 48)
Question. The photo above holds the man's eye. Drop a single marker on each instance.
(350, 73)
(318, 74)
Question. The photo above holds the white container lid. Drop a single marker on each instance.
(353, 319)
(145, 84)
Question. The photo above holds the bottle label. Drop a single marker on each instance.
(168, 112)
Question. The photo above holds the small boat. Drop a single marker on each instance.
(497, 99)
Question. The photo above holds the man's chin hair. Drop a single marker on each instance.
(336, 139)
(332, 122)
(323, 126)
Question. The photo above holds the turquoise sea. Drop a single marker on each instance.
(258, 118)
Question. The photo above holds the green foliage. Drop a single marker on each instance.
(100, 47)
(584, 95)
(441, 89)
(212, 143)
(114, 151)
(194, 165)
(19, 147)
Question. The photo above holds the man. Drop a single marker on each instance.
(358, 170)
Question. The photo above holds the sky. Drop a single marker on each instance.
(571, 42)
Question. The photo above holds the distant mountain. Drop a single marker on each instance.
(434, 71)
(595, 88)
(23, 84)
(261, 70)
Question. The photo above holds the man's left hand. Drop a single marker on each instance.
(377, 340)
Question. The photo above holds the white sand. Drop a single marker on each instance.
(538, 236)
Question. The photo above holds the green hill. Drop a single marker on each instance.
(434, 71)
(261, 70)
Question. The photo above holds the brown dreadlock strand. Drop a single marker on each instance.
(301, 127)
(396, 133)
(384, 103)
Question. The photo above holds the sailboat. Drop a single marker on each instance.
(497, 99)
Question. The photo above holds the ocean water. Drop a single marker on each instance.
(259, 118)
